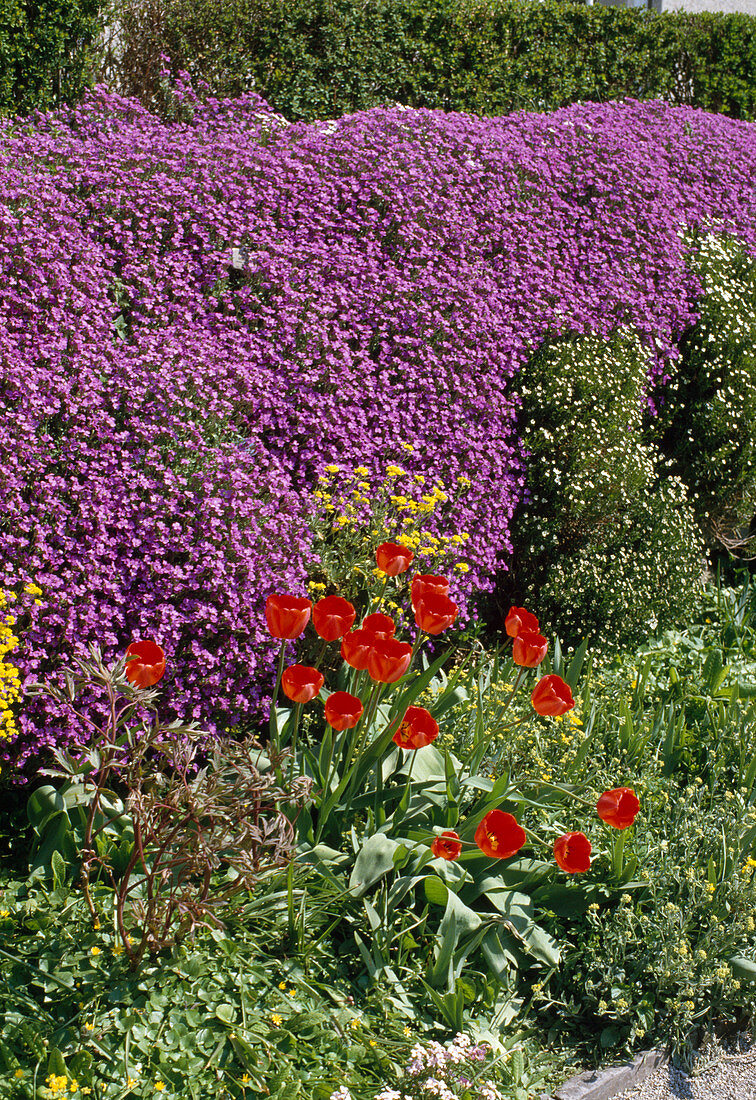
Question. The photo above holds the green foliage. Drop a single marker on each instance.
(649, 963)
(605, 545)
(227, 1014)
(325, 58)
(47, 52)
(707, 419)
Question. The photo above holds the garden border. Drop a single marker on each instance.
(603, 1084)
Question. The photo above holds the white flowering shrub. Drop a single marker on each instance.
(707, 416)
(605, 544)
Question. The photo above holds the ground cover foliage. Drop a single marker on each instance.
(316, 981)
(166, 417)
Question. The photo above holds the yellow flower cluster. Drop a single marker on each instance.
(10, 681)
(58, 1084)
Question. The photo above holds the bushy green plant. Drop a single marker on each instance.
(708, 410)
(319, 59)
(47, 52)
(605, 544)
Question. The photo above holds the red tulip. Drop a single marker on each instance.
(145, 663)
(423, 584)
(619, 807)
(447, 845)
(381, 626)
(332, 617)
(435, 613)
(519, 619)
(393, 559)
(417, 729)
(499, 836)
(300, 683)
(551, 696)
(572, 851)
(356, 647)
(342, 710)
(388, 660)
(529, 649)
(287, 616)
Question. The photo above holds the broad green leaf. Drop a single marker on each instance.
(374, 860)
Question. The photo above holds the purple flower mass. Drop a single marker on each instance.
(164, 418)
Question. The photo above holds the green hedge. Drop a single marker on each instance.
(324, 58)
(46, 52)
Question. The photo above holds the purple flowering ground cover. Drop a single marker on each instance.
(164, 419)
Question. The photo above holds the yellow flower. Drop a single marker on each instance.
(275, 1019)
(94, 951)
(372, 1042)
(19, 1073)
(245, 1079)
(282, 985)
(394, 471)
(333, 469)
(355, 1023)
(462, 567)
(159, 1086)
(407, 1031)
(407, 447)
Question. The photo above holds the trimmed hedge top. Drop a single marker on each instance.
(325, 58)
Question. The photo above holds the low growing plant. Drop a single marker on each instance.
(174, 825)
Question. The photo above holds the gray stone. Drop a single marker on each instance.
(603, 1084)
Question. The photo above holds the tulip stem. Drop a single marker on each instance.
(273, 718)
(381, 594)
(295, 731)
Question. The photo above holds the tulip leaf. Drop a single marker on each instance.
(374, 860)
(575, 666)
(499, 958)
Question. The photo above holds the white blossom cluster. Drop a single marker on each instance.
(607, 545)
(707, 424)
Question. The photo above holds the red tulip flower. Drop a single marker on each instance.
(356, 646)
(619, 807)
(332, 617)
(300, 683)
(388, 660)
(287, 616)
(393, 558)
(145, 663)
(381, 626)
(416, 730)
(447, 845)
(499, 836)
(342, 710)
(435, 613)
(551, 696)
(518, 619)
(529, 649)
(572, 851)
(423, 584)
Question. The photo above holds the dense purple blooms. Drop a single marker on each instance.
(163, 418)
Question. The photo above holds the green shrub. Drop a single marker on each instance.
(606, 544)
(46, 52)
(707, 421)
(322, 58)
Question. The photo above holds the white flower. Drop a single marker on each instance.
(341, 1093)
